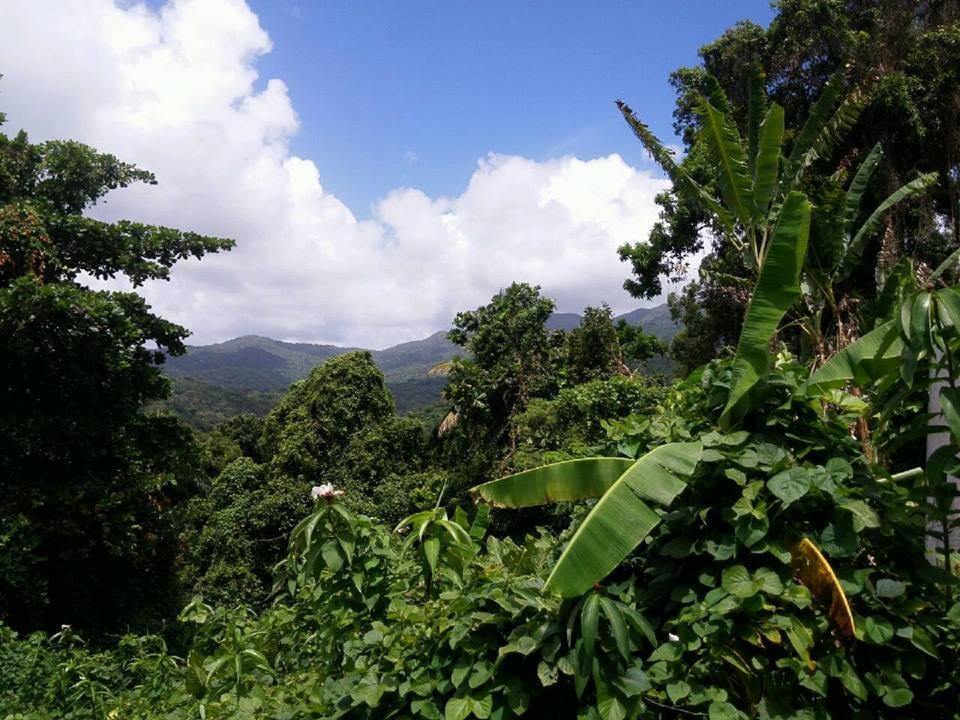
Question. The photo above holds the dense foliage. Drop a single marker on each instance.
(87, 480)
(773, 536)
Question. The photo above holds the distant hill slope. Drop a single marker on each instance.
(254, 369)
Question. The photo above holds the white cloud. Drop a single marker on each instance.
(176, 91)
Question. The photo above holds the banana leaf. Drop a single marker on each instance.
(621, 519)
(861, 362)
(767, 165)
(568, 480)
(734, 177)
(776, 290)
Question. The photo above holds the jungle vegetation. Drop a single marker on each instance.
(567, 535)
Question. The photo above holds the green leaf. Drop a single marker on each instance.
(812, 128)
(862, 362)
(588, 625)
(756, 110)
(563, 481)
(431, 550)
(456, 709)
(776, 290)
(853, 252)
(611, 708)
(790, 485)
(888, 588)
(734, 178)
(664, 158)
(723, 711)
(621, 518)
(898, 697)
(678, 691)
(617, 626)
(736, 580)
(859, 185)
(767, 165)
(878, 630)
(864, 516)
(950, 405)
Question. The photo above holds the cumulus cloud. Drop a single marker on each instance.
(176, 90)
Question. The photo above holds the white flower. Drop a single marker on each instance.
(673, 638)
(325, 491)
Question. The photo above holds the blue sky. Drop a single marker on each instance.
(452, 81)
(381, 165)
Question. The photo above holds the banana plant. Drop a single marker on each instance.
(837, 244)
(619, 521)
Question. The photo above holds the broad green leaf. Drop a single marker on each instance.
(859, 185)
(790, 485)
(736, 580)
(835, 129)
(853, 253)
(756, 111)
(734, 177)
(767, 161)
(621, 518)
(862, 362)
(816, 121)
(776, 290)
(456, 709)
(950, 404)
(898, 697)
(569, 480)
(889, 588)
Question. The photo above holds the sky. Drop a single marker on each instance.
(381, 165)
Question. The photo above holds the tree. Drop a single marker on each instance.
(511, 360)
(86, 479)
(593, 347)
(906, 58)
(312, 425)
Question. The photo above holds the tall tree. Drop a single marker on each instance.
(86, 479)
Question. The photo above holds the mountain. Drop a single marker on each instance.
(247, 374)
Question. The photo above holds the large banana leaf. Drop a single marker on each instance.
(776, 290)
(854, 251)
(862, 362)
(859, 184)
(733, 177)
(664, 158)
(569, 480)
(816, 121)
(767, 161)
(836, 128)
(756, 112)
(621, 519)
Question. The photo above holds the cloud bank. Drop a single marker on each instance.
(176, 90)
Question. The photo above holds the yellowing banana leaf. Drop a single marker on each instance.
(621, 519)
(861, 362)
(569, 480)
(814, 572)
(776, 290)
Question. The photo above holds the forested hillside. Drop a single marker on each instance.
(773, 533)
(247, 374)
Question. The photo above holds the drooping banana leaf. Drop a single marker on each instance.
(568, 480)
(862, 362)
(854, 251)
(621, 519)
(767, 164)
(859, 184)
(776, 290)
(664, 158)
(733, 177)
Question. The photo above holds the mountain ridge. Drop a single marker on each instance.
(258, 364)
